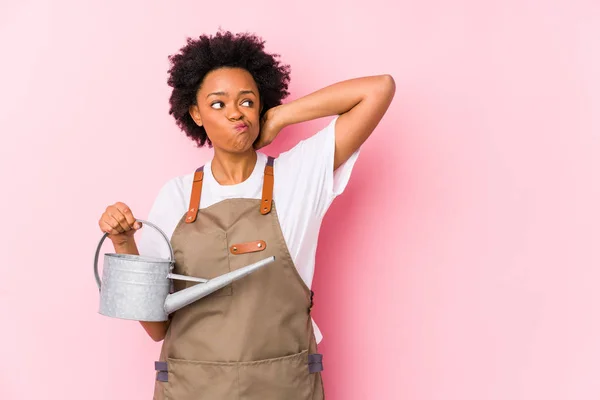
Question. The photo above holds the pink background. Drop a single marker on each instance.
(461, 263)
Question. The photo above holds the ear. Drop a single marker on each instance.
(195, 114)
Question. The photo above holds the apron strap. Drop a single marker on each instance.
(267, 194)
(195, 199)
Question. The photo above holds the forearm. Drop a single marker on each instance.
(156, 330)
(335, 99)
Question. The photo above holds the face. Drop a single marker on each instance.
(228, 107)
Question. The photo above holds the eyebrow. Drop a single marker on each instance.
(225, 93)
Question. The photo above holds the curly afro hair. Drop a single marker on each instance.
(225, 49)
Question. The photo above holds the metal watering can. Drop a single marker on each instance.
(138, 287)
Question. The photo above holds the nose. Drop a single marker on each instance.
(234, 112)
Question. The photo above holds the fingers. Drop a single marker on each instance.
(110, 225)
(259, 142)
(268, 131)
(128, 215)
(106, 227)
(118, 219)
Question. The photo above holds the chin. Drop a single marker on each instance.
(242, 148)
(244, 145)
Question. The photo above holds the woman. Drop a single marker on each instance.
(253, 339)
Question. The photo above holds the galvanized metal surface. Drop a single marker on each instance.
(133, 286)
(137, 287)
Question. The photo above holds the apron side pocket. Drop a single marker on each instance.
(277, 378)
(191, 380)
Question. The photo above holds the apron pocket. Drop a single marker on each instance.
(211, 248)
(276, 379)
(194, 380)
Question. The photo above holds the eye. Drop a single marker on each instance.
(220, 105)
(250, 103)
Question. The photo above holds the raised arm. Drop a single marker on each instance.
(360, 102)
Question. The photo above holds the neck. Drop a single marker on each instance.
(233, 168)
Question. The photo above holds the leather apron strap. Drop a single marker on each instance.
(267, 193)
(195, 198)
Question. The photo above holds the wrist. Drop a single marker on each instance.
(280, 117)
(125, 245)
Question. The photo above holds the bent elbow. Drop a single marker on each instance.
(157, 338)
(389, 83)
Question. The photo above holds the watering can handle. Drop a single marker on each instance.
(98, 282)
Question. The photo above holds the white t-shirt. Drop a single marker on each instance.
(305, 185)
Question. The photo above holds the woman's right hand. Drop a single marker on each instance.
(120, 224)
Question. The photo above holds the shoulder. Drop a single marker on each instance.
(171, 201)
(310, 148)
(174, 190)
(307, 171)
(166, 211)
(301, 173)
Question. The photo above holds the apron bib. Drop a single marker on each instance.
(253, 339)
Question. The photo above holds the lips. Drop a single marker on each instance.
(240, 127)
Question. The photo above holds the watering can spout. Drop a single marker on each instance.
(187, 296)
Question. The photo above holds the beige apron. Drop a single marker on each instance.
(253, 339)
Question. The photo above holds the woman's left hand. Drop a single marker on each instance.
(269, 128)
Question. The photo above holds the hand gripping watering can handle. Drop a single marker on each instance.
(98, 282)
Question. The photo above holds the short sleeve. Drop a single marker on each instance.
(166, 211)
(309, 165)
